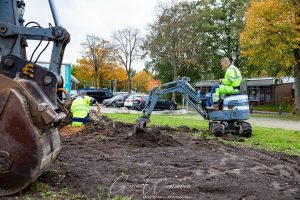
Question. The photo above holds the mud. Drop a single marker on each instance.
(101, 161)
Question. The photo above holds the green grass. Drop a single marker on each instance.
(277, 116)
(121, 198)
(271, 108)
(263, 138)
(192, 121)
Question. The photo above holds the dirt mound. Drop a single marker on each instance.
(70, 130)
(153, 137)
(187, 129)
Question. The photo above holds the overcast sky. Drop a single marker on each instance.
(94, 17)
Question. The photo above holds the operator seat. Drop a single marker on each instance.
(243, 87)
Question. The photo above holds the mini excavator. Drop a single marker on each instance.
(31, 97)
(231, 116)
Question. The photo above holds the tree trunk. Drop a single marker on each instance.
(129, 82)
(297, 80)
(129, 86)
(100, 83)
(174, 79)
(297, 59)
(95, 81)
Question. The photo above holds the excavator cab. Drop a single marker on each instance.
(31, 103)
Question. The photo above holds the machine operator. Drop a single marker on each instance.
(229, 85)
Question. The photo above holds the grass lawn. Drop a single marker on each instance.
(277, 116)
(271, 108)
(264, 138)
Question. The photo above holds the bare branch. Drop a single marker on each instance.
(128, 44)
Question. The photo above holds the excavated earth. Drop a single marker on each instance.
(102, 160)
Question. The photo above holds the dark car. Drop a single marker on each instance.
(99, 95)
(120, 102)
(112, 101)
(161, 104)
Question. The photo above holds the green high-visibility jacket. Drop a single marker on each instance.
(233, 77)
(81, 107)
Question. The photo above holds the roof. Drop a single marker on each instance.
(260, 81)
(205, 83)
(75, 80)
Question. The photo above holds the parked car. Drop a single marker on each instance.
(112, 101)
(138, 103)
(120, 102)
(161, 104)
(99, 95)
(128, 101)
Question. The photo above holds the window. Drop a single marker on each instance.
(253, 93)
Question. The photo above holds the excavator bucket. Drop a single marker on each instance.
(29, 141)
(140, 126)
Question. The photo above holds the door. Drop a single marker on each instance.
(159, 103)
(262, 96)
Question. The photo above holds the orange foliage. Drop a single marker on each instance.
(144, 82)
(84, 72)
(120, 75)
(153, 83)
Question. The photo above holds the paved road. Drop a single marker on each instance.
(275, 123)
(262, 122)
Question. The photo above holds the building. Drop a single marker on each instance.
(70, 82)
(261, 91)
(269, 91)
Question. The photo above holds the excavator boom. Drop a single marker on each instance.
(31, 105)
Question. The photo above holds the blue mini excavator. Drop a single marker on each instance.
(231, 116)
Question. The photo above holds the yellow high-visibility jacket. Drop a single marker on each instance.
(233, 77)
(80, 108)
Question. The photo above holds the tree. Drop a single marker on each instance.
(167, 42)
(270, 42)
(98, 53)
(144, 81)
(190, 38)
(220, 23)
(120, 75)
(127, 42)
(83, 73)
(153, 83)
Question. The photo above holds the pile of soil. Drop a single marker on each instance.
(154, 137)
(104, 160)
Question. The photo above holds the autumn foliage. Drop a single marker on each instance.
(109, 71)
(144, 81)
(153, 83)
(269, 38)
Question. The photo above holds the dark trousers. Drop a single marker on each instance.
(83, 120)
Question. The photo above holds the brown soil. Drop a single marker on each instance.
(166, 163)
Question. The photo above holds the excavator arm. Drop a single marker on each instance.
(179, 86)
(31, 104)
